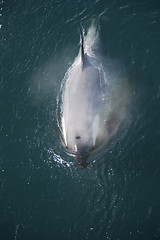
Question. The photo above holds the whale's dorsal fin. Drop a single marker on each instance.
(83, 57)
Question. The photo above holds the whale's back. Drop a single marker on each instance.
(81, 103)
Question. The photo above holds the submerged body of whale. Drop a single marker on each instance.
(84, 126)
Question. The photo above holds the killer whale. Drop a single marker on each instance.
(88, 120)
(83, 126)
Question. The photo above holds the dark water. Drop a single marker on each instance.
(42, 194)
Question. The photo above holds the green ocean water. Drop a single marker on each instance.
(43, 195)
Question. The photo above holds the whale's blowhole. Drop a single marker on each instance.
(78, 137)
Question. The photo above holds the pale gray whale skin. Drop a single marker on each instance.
(83, 126)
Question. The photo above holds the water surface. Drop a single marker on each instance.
(43, 195)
